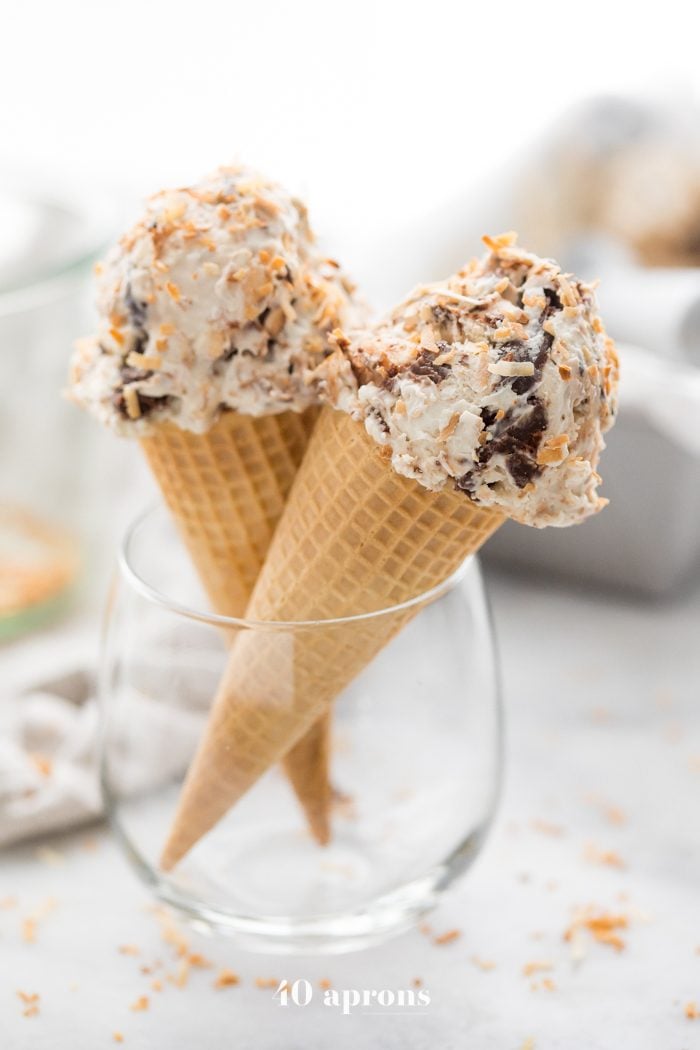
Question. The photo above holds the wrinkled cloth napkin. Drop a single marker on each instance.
(49, 743)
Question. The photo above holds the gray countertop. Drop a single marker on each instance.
(600, 810)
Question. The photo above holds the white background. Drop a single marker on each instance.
(373, 110)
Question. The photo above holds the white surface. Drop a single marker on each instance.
(372, 110)
(601, 697)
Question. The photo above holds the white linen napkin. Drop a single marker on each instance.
(49, 753)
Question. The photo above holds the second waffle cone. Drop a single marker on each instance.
(226, 490)
(354, 537)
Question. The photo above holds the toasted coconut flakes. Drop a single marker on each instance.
(448, 430)
(142, 1003)
(536, 967)
(602, 926)
(171, 933)
(117, 1037)
(117, 336)
(174, 209)
(691, 1011)
(157, 985)
(289, 311)
(266, 207)
(448, 937)
(607, 857)
(567, 292)
(149, 362)
(548, 456)
(264, 290)
(511, 368)
(133, 405)
(446, 293)
(226, 979)
(42, 763)
(554, 450)
(8, 902)
(483, 964)
(28, 998)
(128, 949)
(612, 813)
(546, 827)
(529, 1044)
(503, 240)
(173, 291)
(266, 982)
(181, 975)
(29, 931)
(274, 323)
(559, 441)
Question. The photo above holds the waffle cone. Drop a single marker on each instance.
(226, 490)
(355, 536)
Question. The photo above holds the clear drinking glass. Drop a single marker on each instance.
(58, 471)
(415, 760)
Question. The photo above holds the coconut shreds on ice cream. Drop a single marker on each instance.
(499, 381)
(216, 299)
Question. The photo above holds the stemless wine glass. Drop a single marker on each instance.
(415, 759)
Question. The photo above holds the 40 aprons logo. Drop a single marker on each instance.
(364, 1000)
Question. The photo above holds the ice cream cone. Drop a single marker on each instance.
(226, 490)
(355, 537)
(214, 309)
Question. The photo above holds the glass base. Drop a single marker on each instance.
(412, 757)
(323, 934)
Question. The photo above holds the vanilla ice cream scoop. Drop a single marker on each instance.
(216, 299)
(499, 381)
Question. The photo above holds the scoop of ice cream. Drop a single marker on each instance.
(499, 381)
(216, 299)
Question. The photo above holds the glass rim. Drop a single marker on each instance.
(156, 596)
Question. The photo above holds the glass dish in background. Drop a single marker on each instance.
(58, 472)
(415, 758)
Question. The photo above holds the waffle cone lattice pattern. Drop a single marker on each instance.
(226, 490)
(355, 537)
